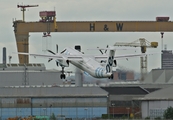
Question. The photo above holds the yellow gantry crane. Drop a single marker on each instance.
(144, 44)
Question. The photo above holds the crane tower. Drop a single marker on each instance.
(23, 9)
(143, 43)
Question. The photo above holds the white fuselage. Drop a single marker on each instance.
(88, 64)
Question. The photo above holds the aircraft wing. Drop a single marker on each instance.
(117, 57)
(57, 56)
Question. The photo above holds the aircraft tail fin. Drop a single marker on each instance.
(110, 61)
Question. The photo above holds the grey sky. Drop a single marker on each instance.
(87, 10)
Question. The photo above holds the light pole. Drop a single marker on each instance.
(44, 109)
(1, 109)
(86, 112)
(108, 112)
(113, 104)
(128, 112)
(50, 108)
(40, 110)
(162, 40)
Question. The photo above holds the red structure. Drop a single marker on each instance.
(162, 19)
(123, 75)
(47, 16)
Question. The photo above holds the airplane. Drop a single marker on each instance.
(98, 66)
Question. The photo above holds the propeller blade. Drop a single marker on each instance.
(101, 51)
(56, 48)
(57, 64)
(51, 52)
(106, 47)
(50, 59)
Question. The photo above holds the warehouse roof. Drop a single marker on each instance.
(30, 66)
(52, 92)
(124, 90)
(159, 76)
(162, 94)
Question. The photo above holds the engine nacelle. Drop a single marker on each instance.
(64, 63)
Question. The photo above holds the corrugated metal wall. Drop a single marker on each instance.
(69, 107)
(154, 109)
(53, 102)
(17, 78)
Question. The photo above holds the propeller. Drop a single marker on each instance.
(102, 51)
(54, 54)
(106, 47)
(50, 59)
(57, 63)
(51, 52)
(56, 48)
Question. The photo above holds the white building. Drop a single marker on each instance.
(154, 104)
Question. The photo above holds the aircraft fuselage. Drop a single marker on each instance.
(88, 64)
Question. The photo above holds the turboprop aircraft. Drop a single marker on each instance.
(98, 66)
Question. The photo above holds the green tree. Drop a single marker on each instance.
(52, 117)
(168, 114)
(147, 118)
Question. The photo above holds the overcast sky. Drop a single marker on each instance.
(87, 10)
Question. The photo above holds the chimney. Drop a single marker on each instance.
(4, 56)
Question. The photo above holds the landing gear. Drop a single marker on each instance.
(111, 77)
(62, 75)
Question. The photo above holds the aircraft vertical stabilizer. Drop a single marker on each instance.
(110, 61)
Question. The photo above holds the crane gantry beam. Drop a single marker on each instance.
(22, 29)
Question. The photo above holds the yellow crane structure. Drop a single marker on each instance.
(47, 24)
(144, 44)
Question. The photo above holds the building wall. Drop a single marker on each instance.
(18, 78)
(158, 76)
(69, 107)
(119, 75)
(121, 105)
(154, 109)
(167, 59)
(130, 75)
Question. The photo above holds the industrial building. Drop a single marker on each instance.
(123, 75)
(154, 104)
(71, 102)
(121, 100)
(167, 59)
(28, 74)
(159, 76)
